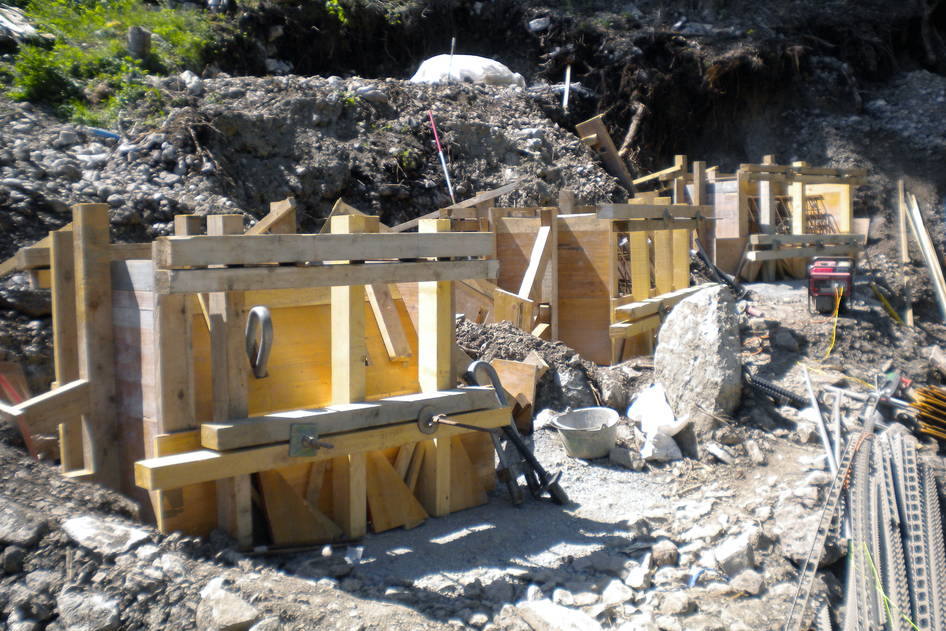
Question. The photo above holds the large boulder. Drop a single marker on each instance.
(697, 362)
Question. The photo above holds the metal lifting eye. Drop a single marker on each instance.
(259, 325)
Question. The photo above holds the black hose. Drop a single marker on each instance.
(777, 393)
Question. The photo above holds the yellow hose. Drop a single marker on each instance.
(838, 293)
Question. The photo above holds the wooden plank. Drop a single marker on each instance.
(349, 355)
(292, 520)
(390, 503)
(272, 277)
(566, 201)
(486, 196)
(508, 307)
(275, 427)
(649, 225)
(201, 251)
(630, 329)
(930, 256)
(604, 146)
(95, 341)
(66, 340)
(206, 465)
(904, 247)
(389, 321)
(188, 224)
(466, 490)
(281, 219)
(663, 261)
(651, 211)
(436, 338)
(191, 509)
(789, 253)
(639, 265)
(531, 286)
(636, 310)
(230, 372)
(665, 174)
(45, 412)
(777, 239)
(518, 378)
(402, 461)
(680, 276)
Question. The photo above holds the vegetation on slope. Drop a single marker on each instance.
(81, 66)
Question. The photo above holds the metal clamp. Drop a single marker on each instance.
(304, 441)
(259, 339)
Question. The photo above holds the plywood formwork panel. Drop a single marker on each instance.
(515, 237)
(586, 283)
(299, 365)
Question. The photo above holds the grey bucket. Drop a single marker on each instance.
(588, 433)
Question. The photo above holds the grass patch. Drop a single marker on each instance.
(87, 74)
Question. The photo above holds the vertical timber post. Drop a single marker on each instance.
(767, 217)
(797, 191)
(96, 341)
(349, 354)
(65, 339)
(436, 332)
(230, 371)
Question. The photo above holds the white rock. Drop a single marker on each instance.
(675, 603)
(660, 447)
(87, 611)
(734, 555)
(748, 581)
(616, 593)
(104, 537)
(544, 615)
(222, 610)
(638, 577)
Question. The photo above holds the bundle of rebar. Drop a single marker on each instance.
(930, 405)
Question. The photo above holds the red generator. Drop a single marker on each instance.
(827, 276)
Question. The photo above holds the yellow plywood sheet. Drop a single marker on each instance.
(299, 369)
(514, 239)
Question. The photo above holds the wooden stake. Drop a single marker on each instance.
(348, 384)
(797, 191)
(230, 370)
(904, 251)
(96, 341)
(65, 341)
(436, 334)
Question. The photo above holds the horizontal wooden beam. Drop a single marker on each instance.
(784, 168)
(272, 277)
(201, 251)
(274, 428)
(763, 239)
(637, 310)
(788, 178)
(38, 257)
(666, 174)
(43, 414)
(793, 253)
(630, 329)
(651, 211)
(485, 196)
(648, 225)
(172, 472)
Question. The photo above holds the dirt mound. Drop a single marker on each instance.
(571, 382)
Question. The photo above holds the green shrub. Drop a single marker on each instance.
(87, 74)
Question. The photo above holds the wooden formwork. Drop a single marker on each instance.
(814, 204)
(155, 396)
(585, 275)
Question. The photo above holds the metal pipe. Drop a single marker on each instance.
(822, 428)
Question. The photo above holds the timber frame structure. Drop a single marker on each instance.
(767, 215)
(599, 278)
(155, 384)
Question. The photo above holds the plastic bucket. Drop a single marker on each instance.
(588, 433)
